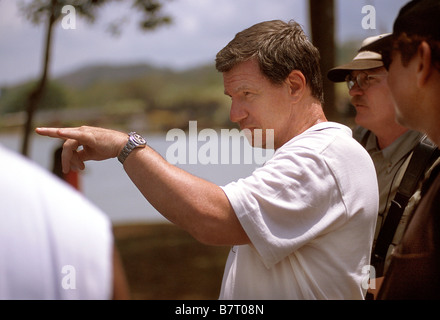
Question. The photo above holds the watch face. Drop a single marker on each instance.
(138, 139)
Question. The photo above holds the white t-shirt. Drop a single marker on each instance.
(310, 213)
(54, 244)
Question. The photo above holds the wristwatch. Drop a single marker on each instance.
(135, 140)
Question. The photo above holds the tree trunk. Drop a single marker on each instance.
(36, 94)
(323, 26)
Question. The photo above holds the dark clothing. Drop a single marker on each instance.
(414, 271)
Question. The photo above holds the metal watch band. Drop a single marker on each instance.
(134, 141)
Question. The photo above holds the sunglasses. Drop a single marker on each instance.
(362, 80)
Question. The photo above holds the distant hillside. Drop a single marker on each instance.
(139, 95)
(99, 85)
(88, 75)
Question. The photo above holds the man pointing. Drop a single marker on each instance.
(302, 225)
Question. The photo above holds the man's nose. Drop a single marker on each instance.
(355, 90)
(237, 112)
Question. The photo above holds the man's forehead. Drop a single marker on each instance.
(244, 76)
(379, 70)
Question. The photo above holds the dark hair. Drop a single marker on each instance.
(418, 20)
(279, 47)
(408, 46)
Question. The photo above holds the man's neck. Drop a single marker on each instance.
(387, 137)
(311, 116)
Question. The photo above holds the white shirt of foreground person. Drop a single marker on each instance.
(310, 213)
(53, 243)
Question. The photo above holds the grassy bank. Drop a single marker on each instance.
(163, 262)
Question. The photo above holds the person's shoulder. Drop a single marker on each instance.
(22, 171)
(22, 176)
(10, 157)
(322, 135)
(360, 133)
(16, 168)
(329, 128)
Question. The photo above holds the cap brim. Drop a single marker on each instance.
(381, 44)
(338, 74)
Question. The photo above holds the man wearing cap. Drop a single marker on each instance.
(389, 144)
(412, 56)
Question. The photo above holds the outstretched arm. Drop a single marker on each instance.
(198, 206)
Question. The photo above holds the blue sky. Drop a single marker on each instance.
(199, 30)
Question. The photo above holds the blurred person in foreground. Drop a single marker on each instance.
(298, 226)
(55, 245)
(411, 54)
(391, 145)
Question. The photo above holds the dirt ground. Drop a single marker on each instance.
(163, 262)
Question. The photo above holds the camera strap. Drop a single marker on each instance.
(422, 157)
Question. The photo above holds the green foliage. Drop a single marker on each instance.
(158, 98)
(15, 99)
(158, 88)
(38, 10)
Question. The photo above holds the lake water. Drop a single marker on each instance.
(106, 184)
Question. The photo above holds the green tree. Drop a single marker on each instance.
(49, 12)
(14, 100)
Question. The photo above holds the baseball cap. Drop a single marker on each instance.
(364, 60)
(417, 17)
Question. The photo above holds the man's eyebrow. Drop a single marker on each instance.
(238, 89)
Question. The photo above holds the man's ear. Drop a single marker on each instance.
(297, 84)
(424, 67)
